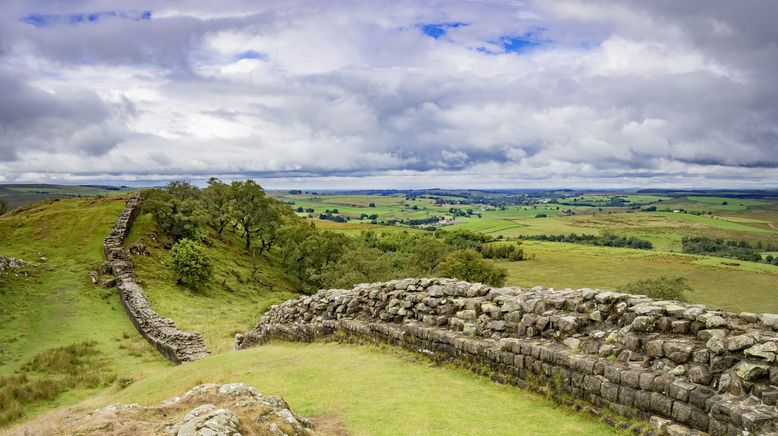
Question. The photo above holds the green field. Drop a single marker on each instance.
(748, 287)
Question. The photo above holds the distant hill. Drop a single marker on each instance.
(17, 195)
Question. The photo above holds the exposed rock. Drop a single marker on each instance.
(205, 410)
(10, 263)
(207, 420)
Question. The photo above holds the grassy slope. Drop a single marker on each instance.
(373, 392)
(58, 305)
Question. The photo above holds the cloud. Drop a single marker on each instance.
(458, 93)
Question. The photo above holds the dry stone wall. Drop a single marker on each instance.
(177, 345)
(686, 368)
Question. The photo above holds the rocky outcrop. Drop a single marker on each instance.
(687, 367)
(177, 345)
(209, 409)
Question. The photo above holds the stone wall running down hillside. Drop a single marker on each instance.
(684, 367)
(177, 345)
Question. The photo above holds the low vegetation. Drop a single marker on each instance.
(49, 374)
(661, 288)
(605, 240)
(741, 250)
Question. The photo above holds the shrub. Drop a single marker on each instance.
(662, 288)
(470, 266)
(3, 206)
(190, 263)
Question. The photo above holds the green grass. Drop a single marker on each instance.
(58, 305)
(748, 287)
(373, 392)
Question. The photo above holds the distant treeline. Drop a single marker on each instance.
(741, 250)
(604, 240)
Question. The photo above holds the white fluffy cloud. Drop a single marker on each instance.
(391, 94)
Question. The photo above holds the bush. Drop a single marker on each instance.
(190, 263)
(662, 288)
(510, 252)
(3, 206)
(470, 266)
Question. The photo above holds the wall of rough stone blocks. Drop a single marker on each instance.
(694, 368)
(177, 345)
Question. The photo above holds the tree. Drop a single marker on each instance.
(358, 265)
(306, 250)
(190, 263)
(468, 265)
(253, 212)
(662, 288)
(426, 255)
(218, 203)
(177, 209)
(3, 207)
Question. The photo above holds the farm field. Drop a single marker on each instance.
(749, 287)
(736, 286)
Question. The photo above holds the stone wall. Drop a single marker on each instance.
(178, 346)
(685, 367)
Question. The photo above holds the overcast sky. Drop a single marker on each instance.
(391, 94)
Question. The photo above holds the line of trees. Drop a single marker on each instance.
(606, 240)
(741, 250)
(316, 258)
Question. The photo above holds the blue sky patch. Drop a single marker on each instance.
(43, 20)
(251, 54)
(436, 30)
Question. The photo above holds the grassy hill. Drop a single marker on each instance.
(18, 195)
(68, 343)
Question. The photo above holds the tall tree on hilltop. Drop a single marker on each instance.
(218, 202)
(252, 211)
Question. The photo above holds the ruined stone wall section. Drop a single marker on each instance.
(177, 345)
(703, 369)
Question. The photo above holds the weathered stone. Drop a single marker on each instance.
(765, 351)
(572, 343)
(769, 319)
(716, 345)
(568, 323)
(751, 371)
(715, 321)
(699, 374)
(680, 326)
(678, 351)
(595, 316)
(655, 348)
(644, 323)
(739, 342)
